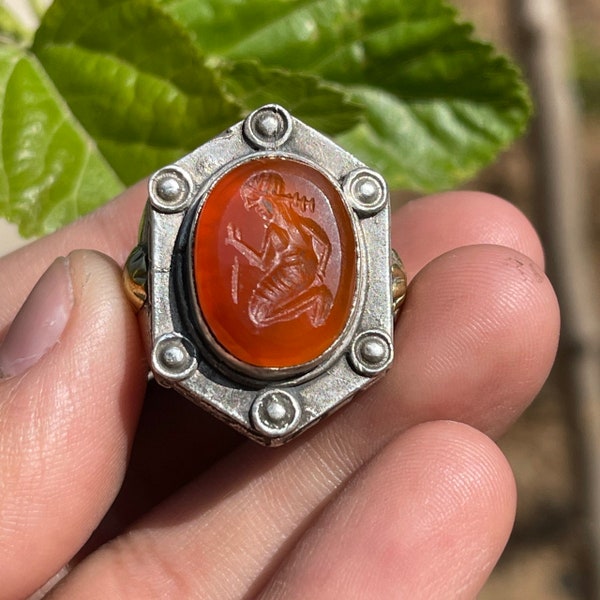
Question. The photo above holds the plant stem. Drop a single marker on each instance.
(563, 217)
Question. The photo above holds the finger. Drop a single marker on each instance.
(478, 337)
(427, 228)
(188, 451)
(111, 230)
(474, 343)
(422, 230)
(174, 442)
(427, 518)
(67, 416)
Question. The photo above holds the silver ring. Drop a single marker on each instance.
(264, 276)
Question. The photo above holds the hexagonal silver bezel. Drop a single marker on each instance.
(217, 383)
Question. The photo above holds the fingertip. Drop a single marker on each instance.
(40, 322)
(428, 517)
(474, 470)
(462, 507)
(426, 228)
(481, 325)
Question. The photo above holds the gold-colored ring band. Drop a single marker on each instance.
(399, 283)
(135, 277)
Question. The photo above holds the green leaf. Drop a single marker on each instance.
(134, 79)
(220, 24)
(439, 105)
(39, 7)
(110, 91)
(51, 170)
(324, 106)
(113, 89)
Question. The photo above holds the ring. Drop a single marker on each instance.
(264, 276)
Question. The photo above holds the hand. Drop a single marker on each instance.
(401, 494)
(234, 235)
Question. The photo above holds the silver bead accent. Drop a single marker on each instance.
(275, 413)
(170, 189)
(268, 127)
(173, 357)
(371, 352)
(366, 191)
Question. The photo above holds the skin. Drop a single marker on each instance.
(402, 494)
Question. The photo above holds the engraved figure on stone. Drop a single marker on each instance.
(293, 256)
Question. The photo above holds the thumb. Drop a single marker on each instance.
(72, 379)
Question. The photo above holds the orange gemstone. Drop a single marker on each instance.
(275, 263)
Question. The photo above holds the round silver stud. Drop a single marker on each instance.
(275, 412)
(371, 352)
(268, 127)
(170, 189)
(366, 190)
(173, 357)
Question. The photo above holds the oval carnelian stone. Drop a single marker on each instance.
(274, 262)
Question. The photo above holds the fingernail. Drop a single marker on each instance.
(40, 322)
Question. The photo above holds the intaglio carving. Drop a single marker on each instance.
(293, 256)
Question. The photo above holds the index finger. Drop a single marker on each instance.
(112, 230)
